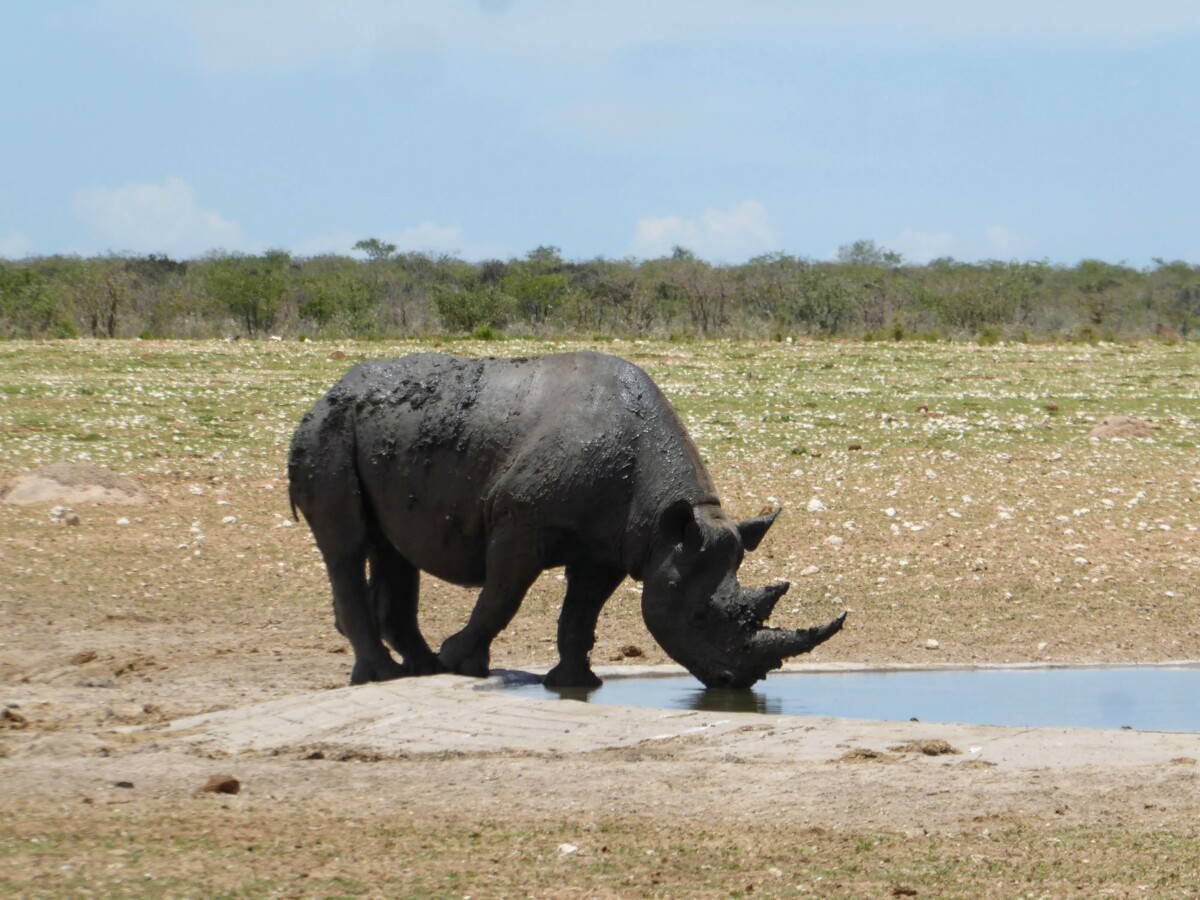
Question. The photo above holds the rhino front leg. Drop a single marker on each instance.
(511, 569)
(588, 589)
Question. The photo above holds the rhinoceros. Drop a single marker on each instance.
(485, 473)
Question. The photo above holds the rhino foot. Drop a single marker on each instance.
(476, 666)
(383, 669)
(564, 676)
(425, 665)
(455, 656)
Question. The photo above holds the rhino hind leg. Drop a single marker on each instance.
(372, 662)
(588, 589)
(511, 569)
(323, 485)
(394, 587)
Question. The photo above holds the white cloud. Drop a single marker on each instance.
(729, 235)
(15, 245)
(240, 35)
(147, 218)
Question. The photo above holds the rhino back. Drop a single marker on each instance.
(580, 449)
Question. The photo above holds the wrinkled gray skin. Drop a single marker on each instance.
(487, 472)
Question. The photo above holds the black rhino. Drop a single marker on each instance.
(485, 472)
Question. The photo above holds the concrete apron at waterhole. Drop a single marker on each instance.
(512, 712)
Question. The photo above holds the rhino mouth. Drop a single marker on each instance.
(764, 651)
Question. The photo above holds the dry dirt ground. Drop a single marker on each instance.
(149, 647)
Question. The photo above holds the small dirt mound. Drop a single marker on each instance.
(1121, 427)
(73, 484)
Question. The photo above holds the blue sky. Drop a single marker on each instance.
(1025, 130)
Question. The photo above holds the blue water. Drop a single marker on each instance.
(1146, 698)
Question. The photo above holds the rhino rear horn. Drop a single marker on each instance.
(752, 530)
(762, 600)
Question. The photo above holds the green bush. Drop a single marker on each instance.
(463, 309)
(32, 305)
(486, 333)
(988, 336)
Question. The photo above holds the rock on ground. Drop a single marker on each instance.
(70, 484)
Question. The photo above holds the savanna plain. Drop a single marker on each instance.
(951, 496)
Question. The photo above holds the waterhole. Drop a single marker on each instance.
(1146, 698)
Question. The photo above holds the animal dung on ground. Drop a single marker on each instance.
(64, 515)
(865, 754)
(221, 784)
(926, 747)
(10, 718)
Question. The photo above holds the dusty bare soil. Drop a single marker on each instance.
(207, 598)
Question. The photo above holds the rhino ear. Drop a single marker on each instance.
(679, 525)
(753, 530)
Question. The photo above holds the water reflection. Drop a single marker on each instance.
(730, 700)
(679, 694)
(582, 694)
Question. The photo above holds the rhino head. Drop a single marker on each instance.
(701, 616)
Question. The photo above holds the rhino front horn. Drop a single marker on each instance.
(776, 645)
